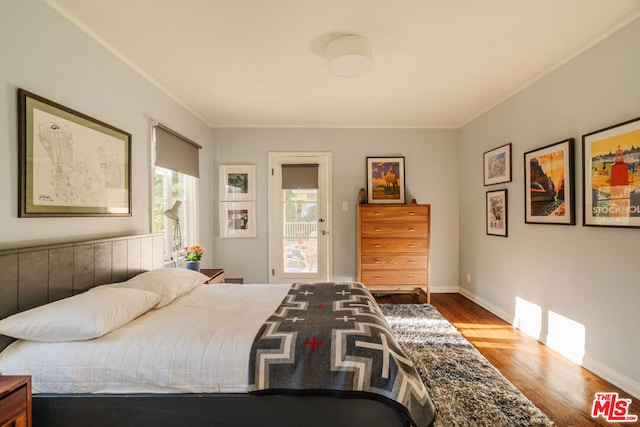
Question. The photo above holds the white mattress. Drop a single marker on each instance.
(199, 343)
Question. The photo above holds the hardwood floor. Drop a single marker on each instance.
(561, 389)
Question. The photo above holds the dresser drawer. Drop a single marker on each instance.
(394, 262)
(382, 277)
(13, 404)
(395, 213)
(371, 245)
(395, 229)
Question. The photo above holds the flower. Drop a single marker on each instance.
(194, 252)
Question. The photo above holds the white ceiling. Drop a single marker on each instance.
(436, 63)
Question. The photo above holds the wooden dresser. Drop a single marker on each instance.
(393, 246)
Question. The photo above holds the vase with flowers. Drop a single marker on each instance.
(193, 256)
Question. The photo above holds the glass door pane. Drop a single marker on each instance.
(300, 231)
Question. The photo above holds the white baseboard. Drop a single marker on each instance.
(621, 381)
(445, 289)
(509, 318)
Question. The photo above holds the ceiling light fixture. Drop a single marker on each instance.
(349, 56)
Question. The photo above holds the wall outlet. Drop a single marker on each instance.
(345, 206)
(468, 277)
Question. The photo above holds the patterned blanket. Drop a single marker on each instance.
(331, 338)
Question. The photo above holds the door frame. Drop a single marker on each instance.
(323, 159)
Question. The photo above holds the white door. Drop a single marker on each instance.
(299, 220)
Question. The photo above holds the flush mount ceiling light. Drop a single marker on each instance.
(349, 56)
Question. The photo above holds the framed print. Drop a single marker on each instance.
(611, 175)
(237, 182)
(70, 164)
(549, 184)
(497, 213)
(385, 180)
(237, 219)
(497, 165)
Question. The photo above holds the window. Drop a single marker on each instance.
(168, 187)
(173, 154)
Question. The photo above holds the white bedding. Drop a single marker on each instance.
(159, 352)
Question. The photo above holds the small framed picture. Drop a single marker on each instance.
(385, 180)
(237, 182)
(497, 213)
(611, 176)
(549, 184)
(497, 165)
(237, 219)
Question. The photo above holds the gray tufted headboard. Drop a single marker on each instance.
(33, 276)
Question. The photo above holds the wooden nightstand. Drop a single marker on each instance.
(216, 275)
(15, 401)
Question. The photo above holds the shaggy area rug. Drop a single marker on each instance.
(465, 388)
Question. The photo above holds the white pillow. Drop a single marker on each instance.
(168, 283)
(80, 317)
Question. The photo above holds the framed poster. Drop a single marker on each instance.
(237, 182)
(611, 175)
(70, 164)
(385, 180)
(549, 184)
(497, 165)
(237, 219)
(497, 213)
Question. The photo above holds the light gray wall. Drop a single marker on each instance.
(431, 176)
(44, 53)
(586, 274)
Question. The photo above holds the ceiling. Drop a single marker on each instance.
(436, 63)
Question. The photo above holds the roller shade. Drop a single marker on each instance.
(299, 176)
(176, 152)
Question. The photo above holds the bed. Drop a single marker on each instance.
(176, 351)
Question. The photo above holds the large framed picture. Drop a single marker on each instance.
(549, 184)
(69, 163)
(497, 213)
(611, 175)
(237, 182)
(497, 165)
(385, 180)
(237, 219)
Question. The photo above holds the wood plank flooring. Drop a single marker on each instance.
(563, 390)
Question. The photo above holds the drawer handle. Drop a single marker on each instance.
(411, 277)
(377, 261)
(412, 229)
(412, 245)
(377, 277)
(377, 230)
(377, 213)
(411, 261)
(377, 245)
(411, 213)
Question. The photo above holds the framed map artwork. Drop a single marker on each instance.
(69, 163)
